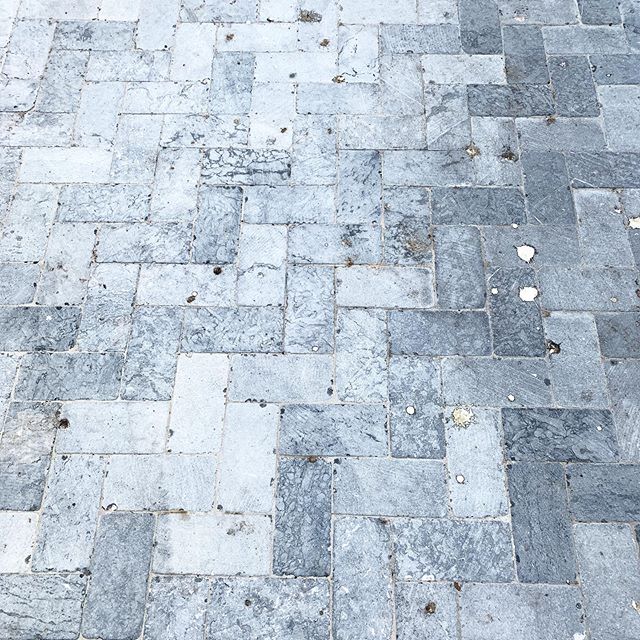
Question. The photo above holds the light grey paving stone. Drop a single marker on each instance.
(439, 333)
(525, 55)
(284, 205)
(241, 329)
(543, 12)
(231, 82)
(309, 310)
(459, 267)
(579, 39)
(322, 99)
(359, 187)
(607, 169)
(562, 134)
(333, 430)
(114, 605)
(615, 69)
(156, 24)
(382, 132)
(465, 550)
(69, 376)
(212, 544)
(103, 203)
(128, 66)
(212, 11)
(281, 378)
(362, 552)
(604, 493)
(303, 518)
(576, 372)
(448, 124)
(62, 81)
(476, 205)
(619, 334)
(490, 382)
(371, 486)
(513, 100)
(480, 26)
(38, 328)
(427, 168)
(176, 180)
(96, 124)
(268, 608)
(247, 462)
(47, 607)
(18, 534)
(176, 607)
(610, 578)
(474, 461)
(203, 131)
(427, 610)
(19, 94)
(28, 48)
(378, 11)
(25, 451)
(361, 355)
(530, 612)
(384, 287)
(358, 52)
(166, 97)
(574, 90)
(541, 523)
(150, 364)
(314, 149)
(112, 427)
(416, 421)
(599, 12)
(136, 148)
(68, 520)
(46, 131)
(623, 377)
(244, 166)
(497, 163)
(559, 435)
(419, 38)
(463, 69)
(93, 36)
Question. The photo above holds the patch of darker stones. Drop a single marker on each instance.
(306, 15)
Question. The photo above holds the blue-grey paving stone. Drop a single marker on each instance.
(407, 218)
(516, 325)
(497, 163)
(268, 608)
(559, 435)
(610, 579)
(150, 366)
(333, 430)
(604, 12)
(303, 518)
(631, 19)
(512, 100)
(69, 376)
(240, 329)
(562, 134)
(541, 523)
(93, 36)
(459, 268)
(588, 289)
(382, 132)
(359, 187)
(523, 611)
(284, 205)
(604, 493)
(62, 81)
(231, 82)
(176, 608)
(427, 168)
(245, 166)
(314, 148)
(585, 39)
(448, 124)
(38, 328)
(608, 169)
(414, 617)
(623, 379)
(574, 91)
(619, 334)
(616, 69)
(319, 98)
(477, 205)
(18, 283)
(41, 606)
(69, 515)
(362, 579)
(465, 550)
(546, 188)
(480, 31)
(490, 382)
(103, 203)
(309, 310)
(25, 451)
(217, 226)
(621, 120)
(388, 487)
(417, 429)
(525, 60)
(419, 38)
(114, 606)
(439, 333)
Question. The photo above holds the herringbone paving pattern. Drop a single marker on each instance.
(319, 319)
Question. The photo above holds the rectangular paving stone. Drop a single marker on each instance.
(382, 132)
(574, 91)
(284, 205)
(599, 12)
(18, 533)
(175, 193)
(607, 169)
(413, 621)
(114, 605)
(128, 66)
(198, 131)
(212, 544)
(623, 377)
(541, 523)
(45, 606)
(362, 552)
(231, 82)
(610, 578)
(419, 38)
(243, 166)
(620, 118)
(475, 205)
(525, 61)
(427, 168)
(513, 100)
(314, 146)
(38, 328)
(93, 36)
(211, 11)
(579, 39)
(439, 333)
(604, 493)
(18, 283)
(303, 518)
(447, 110)
(359, 187)
(62, 81)
(480, 27)
(497, 164)
(370, 486)
(619, 334)
(563, 134)
(97, 124)
(463, 69)
(165, 97)
(465, 550)
(615, 68)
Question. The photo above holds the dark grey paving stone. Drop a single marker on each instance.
(477, 205)
(573, 87)
(516, 325)
(114, 607)
(541, 523)
(47, 607)
(425, 611)
(465, 550)
(623, 378)
(619, 334)
(605, 12)
(217, 226)
(525, 60)
(38, 328)
(333, 430)
(604, 493)
(439, 333)
(266, 608)
(480, 26)
(419, 38)
(512, 100)
(607, 169)
(560, 435)
(459, 268)
(616, 68)
(303, 518)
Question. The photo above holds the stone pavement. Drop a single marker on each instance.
(320, 319)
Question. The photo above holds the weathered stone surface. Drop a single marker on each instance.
(38, 328)
(472, 205)
(414, 615)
